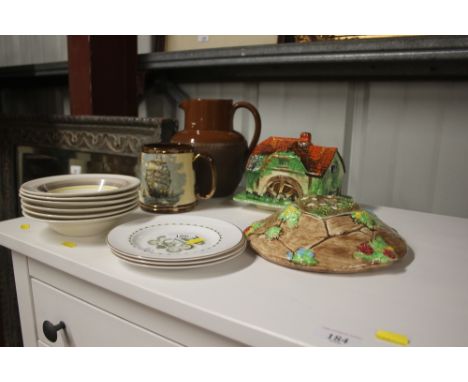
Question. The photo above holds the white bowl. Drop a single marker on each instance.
(71, 217)
(87, 203)
(82, 185)
(79, 228)
(76, 210)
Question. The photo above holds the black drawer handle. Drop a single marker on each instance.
(50, 330)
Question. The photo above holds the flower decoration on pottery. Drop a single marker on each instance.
(291, 215)
(303, 256)
(273, 232)
(376, 251)
(181, 242)
(252, 228)
(283, 169)
(366, 218)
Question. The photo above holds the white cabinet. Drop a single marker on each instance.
(245, 301)
(93, 316)
(85, 324)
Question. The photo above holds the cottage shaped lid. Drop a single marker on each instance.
(326, 234)
(316, 159)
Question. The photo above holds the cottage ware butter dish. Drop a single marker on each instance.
(326, 234)
(283, 169)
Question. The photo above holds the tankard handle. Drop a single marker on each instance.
(258, 121)
(213, 175)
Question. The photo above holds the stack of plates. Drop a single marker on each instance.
(176, 242)
(79, 205)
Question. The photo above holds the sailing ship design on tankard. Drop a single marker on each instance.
(168, 179)
(159, 182)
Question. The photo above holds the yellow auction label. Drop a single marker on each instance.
(69, 244)
(394, 338)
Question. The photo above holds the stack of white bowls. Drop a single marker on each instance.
(80, 205)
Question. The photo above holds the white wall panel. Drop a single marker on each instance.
(288, 108)
(143, 44)
(409, 146)
(450, 181)
(417, 142)
(374, 139)
(25, 50)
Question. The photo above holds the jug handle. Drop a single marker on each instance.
(258, 121)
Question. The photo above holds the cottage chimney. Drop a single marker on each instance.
(305, 139)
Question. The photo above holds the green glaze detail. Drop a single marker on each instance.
(251, 178)
(377, 251)
(330, 205)
(303, 256)
(317, 187)
(257, 199)
(252, 173)
(273, 232)
(291, 215)
(330, 182)
(378, 244)
(253, 227)
(366, 218)
(282, 160)
(257, 225)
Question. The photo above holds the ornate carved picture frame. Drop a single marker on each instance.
(96, 137)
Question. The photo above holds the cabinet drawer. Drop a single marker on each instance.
(86, 325)
(154, 321)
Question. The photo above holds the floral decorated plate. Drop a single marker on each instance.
(175, 238)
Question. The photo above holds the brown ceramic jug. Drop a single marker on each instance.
(209, 129)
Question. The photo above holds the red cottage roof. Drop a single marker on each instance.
(316, 159)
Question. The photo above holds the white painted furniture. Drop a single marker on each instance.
(246, 301)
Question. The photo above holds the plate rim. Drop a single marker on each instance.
(35, 183)
(187, 266)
